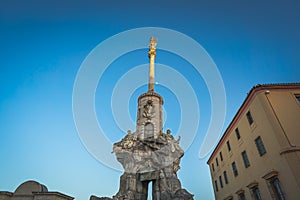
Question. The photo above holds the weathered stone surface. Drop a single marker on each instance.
(183, 194)
(148, 155)
(146, 161)
(99, 198)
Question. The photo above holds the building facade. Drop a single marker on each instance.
(32, 190)
(258, 156)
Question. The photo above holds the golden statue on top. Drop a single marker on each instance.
(152, 47)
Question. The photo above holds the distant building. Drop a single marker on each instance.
(32, 190)
(258, 156)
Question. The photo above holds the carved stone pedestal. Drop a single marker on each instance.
(153, 161)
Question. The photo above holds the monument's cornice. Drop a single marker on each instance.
(151, 94)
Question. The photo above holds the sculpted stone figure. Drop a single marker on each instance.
(169, 136)
(148, 110)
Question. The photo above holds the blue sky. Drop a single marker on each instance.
(43, 44)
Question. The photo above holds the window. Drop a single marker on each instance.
(260, 146)
(276, 186)
(245, 158)
(225, 177)
(249, 117)
(216, 186)
(228, 146)
(221, 156)
(237, 133)
(256, 193)
(234, 169)
(217, 162)
(297, 97)
(213, 167)
(242, 196)
(221, 182)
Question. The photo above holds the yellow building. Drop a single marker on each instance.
(258, 156)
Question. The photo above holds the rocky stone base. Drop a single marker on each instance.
(165, 186)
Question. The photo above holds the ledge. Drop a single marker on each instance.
(270, 174)
(289, 150)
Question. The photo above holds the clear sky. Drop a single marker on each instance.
(43, 44)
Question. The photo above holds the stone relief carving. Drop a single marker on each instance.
(128, 141)
(149, 110)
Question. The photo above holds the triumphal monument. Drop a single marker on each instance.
(148, 155)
